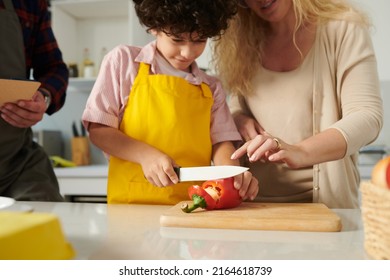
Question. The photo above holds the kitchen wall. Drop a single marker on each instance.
(93, 33)
(378, 10)
(384, 137)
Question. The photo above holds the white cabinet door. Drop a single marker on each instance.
(95, 24)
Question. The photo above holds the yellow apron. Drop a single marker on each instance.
(172, 115)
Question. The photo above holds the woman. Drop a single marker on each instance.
(306, 96)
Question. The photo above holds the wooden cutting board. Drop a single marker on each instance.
(257, 216)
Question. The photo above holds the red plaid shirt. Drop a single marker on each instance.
(41, 49)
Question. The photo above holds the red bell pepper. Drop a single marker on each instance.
(214, 194)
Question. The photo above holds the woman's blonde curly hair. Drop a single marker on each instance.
(237, 55)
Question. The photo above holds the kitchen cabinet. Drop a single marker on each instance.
(81, 84)
(96, 25)
(83, 183)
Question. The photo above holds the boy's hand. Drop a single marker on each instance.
(158, 169)
(247, 185)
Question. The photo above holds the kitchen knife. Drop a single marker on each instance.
(74, 129)
(204, 173)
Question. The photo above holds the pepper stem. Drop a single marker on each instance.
(198, 201)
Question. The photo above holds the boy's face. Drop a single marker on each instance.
(181, 51)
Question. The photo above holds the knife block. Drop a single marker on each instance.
(80, 150)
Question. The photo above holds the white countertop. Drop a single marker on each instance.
(82, 171)
(101, 231)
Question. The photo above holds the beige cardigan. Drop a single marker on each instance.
(346, 96)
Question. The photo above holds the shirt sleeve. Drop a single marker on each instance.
(109, 95)
(45, 58)
(223, 127)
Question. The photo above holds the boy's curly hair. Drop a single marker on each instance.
(206, 18)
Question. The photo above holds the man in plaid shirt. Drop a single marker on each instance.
(27, 43)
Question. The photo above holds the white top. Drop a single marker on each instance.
(280, 108)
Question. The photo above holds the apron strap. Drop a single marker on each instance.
(206, 90)
(143, 69)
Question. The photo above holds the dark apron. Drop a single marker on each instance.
(25, 169)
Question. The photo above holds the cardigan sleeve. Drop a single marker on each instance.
(357, 86)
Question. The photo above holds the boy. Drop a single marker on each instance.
(152, 109)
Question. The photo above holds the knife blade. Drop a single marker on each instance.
(204, 173)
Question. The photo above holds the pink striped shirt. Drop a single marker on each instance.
(119, 68)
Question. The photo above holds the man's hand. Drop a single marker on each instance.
(24, 113)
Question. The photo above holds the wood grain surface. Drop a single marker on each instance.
(257, 216)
